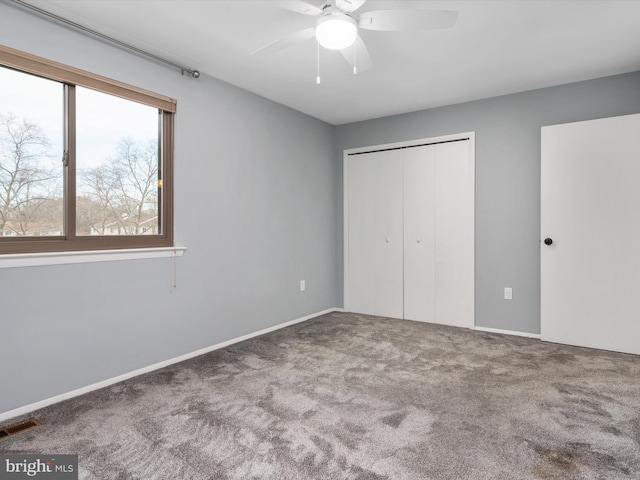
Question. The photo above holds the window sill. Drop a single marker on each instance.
(88, 256)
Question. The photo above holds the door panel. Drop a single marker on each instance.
(454, 234)
(388, 235)
(374, 210)
(419, 233)
(360, 249)
(590, 274)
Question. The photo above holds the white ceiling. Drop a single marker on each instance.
(495, 48)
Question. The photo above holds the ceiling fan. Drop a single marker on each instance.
(337, 27)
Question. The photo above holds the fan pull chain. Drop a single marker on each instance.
(318, 77)
(175, 268)
(355, 50)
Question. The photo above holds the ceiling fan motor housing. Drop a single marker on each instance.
(349, 5)
(336, 30)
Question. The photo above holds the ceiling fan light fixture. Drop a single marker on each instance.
(336, 31)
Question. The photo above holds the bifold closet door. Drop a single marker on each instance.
(374, 210)
(439, 234)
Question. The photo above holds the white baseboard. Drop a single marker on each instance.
(105, 383)
(508, 332)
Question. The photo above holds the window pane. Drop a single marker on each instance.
(118, 166)
(31, 148)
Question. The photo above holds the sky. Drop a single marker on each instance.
(102, 120)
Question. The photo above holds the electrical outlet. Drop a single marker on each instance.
(508, 293)
(303, 285)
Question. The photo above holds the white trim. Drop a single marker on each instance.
(105, 383)
(87, 256)
(345, 230)
(508, 332)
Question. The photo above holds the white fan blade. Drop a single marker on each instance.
(362, 60)
(393, 20)
(299, 6)
(349, 6)
(286, 42)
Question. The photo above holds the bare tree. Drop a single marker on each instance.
(28, 178)
(136, 171)
(119, 196)
(122, 192)
(97, 204)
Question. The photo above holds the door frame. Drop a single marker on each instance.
(471, 136)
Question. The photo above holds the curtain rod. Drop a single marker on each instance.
(190, 71)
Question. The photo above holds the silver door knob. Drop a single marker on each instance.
(387, 240)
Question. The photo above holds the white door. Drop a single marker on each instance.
(590, 273)
(374, 212)
(409, 233)
(419, 233)
(439, 234)
(455, 234)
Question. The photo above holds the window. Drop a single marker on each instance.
(85, 161)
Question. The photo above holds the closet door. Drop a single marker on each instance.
(410, 233)
(419, 233)
(454, 234)
(439, 234)
(374, 210)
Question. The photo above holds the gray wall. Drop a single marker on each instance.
(507, 180)
(259, 205)
(255, 205)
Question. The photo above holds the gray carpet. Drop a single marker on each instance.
(347, 396)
